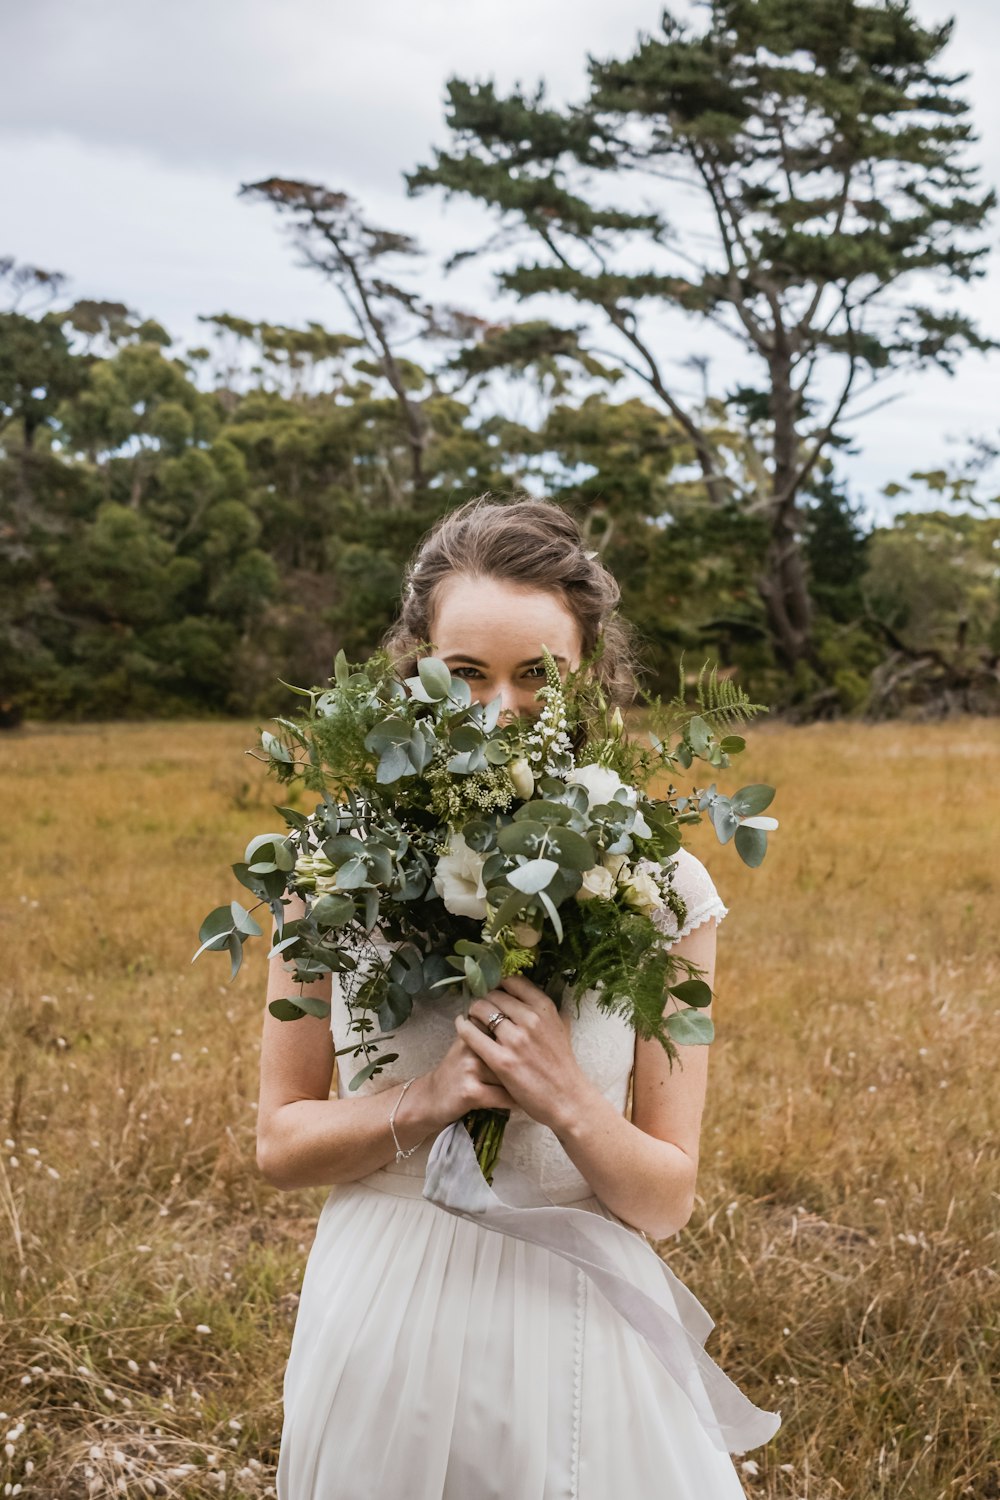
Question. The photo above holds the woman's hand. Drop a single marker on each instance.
(530, 1051)
(459, 1082)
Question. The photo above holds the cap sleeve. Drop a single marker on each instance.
(696, 889)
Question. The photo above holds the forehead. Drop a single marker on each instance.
(494, 620)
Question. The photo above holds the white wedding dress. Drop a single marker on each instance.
(503, 1349)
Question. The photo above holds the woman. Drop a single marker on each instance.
(444, 1355)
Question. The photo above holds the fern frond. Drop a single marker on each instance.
(723, 700)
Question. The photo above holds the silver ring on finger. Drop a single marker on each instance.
(494, 1021)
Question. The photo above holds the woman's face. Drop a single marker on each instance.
(491, 633)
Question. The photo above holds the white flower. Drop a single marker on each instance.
(520, 774)
(616, 863)
(314, 872)
(599, 782)
(642, 892)
(458, 879)
(597, 882)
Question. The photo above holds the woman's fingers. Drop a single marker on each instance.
(514, 1014)
(521, 989)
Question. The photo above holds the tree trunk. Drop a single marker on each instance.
(784, 585)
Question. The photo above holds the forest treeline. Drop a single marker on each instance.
(183, 527)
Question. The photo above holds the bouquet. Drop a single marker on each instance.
(474, 851)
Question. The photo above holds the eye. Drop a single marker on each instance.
(539, 670)
(457, 671)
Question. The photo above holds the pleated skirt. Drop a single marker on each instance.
(435, 1359)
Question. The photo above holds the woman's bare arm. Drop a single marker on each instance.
(307, 1139)
(645, 1170)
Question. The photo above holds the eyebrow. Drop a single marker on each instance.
(474, 661)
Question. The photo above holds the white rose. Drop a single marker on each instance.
(642, 892)
(616, 863)
(521, 775)
(598, 882)
(599, 782)
(458, 879)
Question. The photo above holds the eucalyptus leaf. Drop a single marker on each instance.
(260, 842)
(292, 817)
(460, 692)
(724, 820)
(697, 734)
(540, 810)
(218, 921)
(394, 1010)
(554, 916)
(521, 837)
(751, 800)
(692, 992)
(533, 876)
(474, 977)
(342, 846)
(243, 921)
(689, 1028)
(751, 846)
(435, 676)
(352, 873)
(466, 737)
(285, 943)
(285, 1010)
(313, 1005)
(393, 764)
(332, 910)
(371, 1069)
(572, 849)
(235, 945)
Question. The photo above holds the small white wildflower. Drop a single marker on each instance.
(203, 1328)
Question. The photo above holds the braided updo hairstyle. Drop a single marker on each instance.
(531, 543)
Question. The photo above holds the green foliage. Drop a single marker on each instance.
(830, 155)
(452, 835)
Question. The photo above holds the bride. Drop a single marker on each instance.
(462, 1352)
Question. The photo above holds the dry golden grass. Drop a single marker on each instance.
(845, 1237)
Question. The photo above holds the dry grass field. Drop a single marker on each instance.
(845, 1237)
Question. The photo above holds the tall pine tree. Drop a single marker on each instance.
(828, 152)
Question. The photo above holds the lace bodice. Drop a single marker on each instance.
(604, 1046)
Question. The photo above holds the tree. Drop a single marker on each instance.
(332, 235)
(932, 587)
(827, 152)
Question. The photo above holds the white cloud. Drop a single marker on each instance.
(126, 130)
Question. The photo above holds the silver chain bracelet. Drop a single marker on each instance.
(401, 1155)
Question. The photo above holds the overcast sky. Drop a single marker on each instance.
(127, 127)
